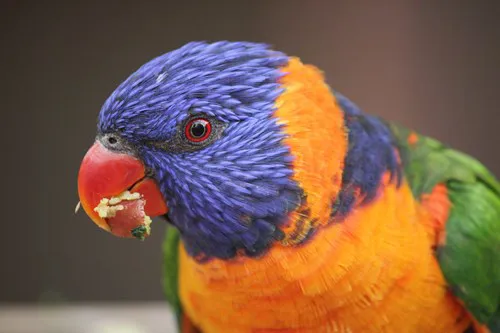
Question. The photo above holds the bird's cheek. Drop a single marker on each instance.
(116, 193)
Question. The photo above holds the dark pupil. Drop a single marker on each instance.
(198, 129)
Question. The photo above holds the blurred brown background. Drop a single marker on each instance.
(430, 66)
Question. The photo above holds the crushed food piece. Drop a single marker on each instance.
(77, 208)
(106, 211)
(142, 231)
(125, 215)
(108, 207)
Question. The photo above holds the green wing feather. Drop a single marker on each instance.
(470, 258)
(171, 270)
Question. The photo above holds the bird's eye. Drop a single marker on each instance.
(198, 130)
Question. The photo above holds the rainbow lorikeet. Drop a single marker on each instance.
(289, 209)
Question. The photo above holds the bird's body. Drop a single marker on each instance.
(298, 212)
(347, 280)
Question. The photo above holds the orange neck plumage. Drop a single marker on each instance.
(312, 118)
(373, 272)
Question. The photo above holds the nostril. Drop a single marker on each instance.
(114, 142)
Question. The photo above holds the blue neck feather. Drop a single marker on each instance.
(370, 155)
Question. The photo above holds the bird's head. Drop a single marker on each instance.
(239, 146)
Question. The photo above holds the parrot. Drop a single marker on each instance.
(289, 209)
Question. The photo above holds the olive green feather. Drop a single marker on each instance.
(171, 270)
(470, 257)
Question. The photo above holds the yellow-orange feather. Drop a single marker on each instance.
(373, 272)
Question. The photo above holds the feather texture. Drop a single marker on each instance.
(301, 213)
(469, 253)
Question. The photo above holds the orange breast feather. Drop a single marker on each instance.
(373, 272)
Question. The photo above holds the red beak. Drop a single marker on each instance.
(105, 174)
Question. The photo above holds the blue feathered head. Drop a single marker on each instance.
(237, 145)
(201, 121)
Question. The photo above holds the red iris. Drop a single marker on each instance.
(198, 130)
